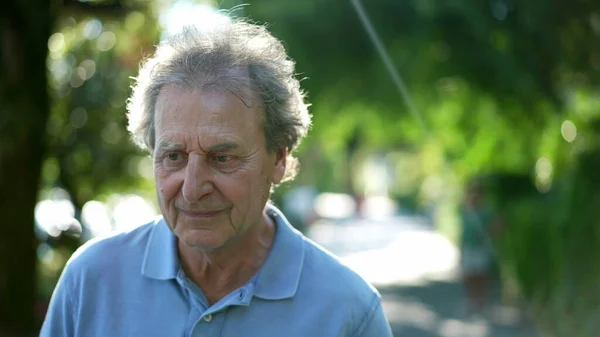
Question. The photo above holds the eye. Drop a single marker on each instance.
(222, 159)
(173, 156)
(225, 163)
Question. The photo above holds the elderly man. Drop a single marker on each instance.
(221, 112)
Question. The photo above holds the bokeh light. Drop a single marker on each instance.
(568, 130)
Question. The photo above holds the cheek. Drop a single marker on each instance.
(167, 185)
(234, 189)
(242, 189)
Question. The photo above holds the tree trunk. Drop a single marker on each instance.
(25, 26)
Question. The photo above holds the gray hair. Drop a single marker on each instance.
(234, 56)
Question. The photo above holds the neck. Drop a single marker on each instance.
(220, 271)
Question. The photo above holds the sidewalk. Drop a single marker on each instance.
(437, 310)
(415, 269)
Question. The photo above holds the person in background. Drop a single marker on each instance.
(221, 112)
(479, 226)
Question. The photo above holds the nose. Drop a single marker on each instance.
(197, 182)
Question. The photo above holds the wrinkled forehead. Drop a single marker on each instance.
(204, 118)
(234, 80)
(172, 99)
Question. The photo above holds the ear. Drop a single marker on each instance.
(280, 161)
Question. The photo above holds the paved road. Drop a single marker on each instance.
(415, 270)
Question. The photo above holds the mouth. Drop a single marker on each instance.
(200, 214)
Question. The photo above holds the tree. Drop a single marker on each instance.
(24, 107)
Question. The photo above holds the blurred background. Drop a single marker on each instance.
(412, 101)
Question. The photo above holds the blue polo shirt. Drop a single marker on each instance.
(132, 284)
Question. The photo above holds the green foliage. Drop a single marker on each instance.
(552, 249)
(508, 90)
(91, 63)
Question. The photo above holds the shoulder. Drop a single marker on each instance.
(324, 273)
(331, 287)
(108, 254)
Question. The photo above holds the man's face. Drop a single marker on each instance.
(212, 170)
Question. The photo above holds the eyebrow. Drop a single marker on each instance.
(222, 147)
(219, 147)
(165, 146)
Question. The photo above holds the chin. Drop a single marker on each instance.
(202, 240)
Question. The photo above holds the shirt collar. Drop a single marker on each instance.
(280, 275)
(160, 260)
(277, 279)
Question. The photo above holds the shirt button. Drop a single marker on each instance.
(208, 318)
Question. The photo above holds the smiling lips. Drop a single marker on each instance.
(200, 214)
